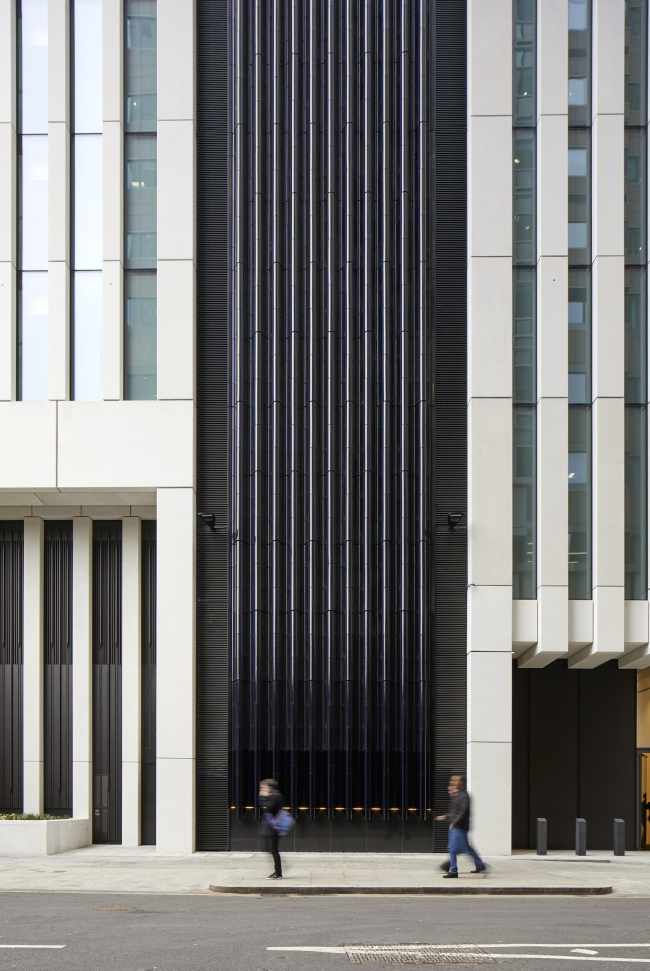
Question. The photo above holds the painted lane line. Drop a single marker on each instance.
(32, 946)
(582, 950)
(583, 944)
(404, 947)
(565, 957)
(318, 950)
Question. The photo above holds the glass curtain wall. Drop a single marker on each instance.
(636, 317)
(86, 368)
(524, 582)
(32, 328)
(140, 65)
(579, 301)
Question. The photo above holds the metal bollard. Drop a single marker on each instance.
(542, 840)
(581, 837)
(619, 837)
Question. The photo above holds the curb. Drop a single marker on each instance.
(468, 889)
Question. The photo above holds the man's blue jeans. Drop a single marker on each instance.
(459, 843)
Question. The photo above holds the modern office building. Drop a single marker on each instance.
(323, 417)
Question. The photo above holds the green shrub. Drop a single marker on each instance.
(30, 816)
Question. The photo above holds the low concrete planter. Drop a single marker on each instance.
(40, 837)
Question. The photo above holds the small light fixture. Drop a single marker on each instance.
(453, 519)
(208, 519)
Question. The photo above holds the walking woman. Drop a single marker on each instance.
(271, 800)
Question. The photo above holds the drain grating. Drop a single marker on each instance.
(418, 954)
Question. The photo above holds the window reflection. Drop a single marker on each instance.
(87, 168)
(140, 65)
(579, 197)
(579, 337)
(32, 68)
(87, 330)
(141, 201)
(524, 489)
(87, 66)
(32, 219)
(32, 336)
(635, 195)
(140, 337)
(579, 62)
(636, 62)
(524, 196)
(524, 63)
(580, 503)
(636, 506)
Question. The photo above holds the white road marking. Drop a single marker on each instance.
(566, 957)
(319, 950)
(32, 946)
(582, 950)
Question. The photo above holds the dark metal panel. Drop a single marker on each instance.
(57, 688)
(449, 296)
(212, 425)
(11, 666)
(148, 766)
(107, 681)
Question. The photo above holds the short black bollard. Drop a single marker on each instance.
(619, 837)
(542, 841)
(581, 837)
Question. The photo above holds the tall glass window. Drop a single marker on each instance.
(524, 67)
(140, 66)
(579, 434)
(524, 255)
(523, 179)
(579, 62)
(636, 301)
(32, 329)
(635, 195)
(524, 435)
(579, 196)
(87, 201)
(636, 62)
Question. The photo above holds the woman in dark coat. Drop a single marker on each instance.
(271, 801)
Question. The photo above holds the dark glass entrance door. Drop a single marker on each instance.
(107, 682)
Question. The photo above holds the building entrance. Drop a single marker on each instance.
(643, 798)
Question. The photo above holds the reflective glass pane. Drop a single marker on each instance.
(579, 197)
(87, 333)
(32, 210)
(87, 102)
(87, 238)
(141, 189)
(524, 489)
(579, 313)
(579, 503)
(636, 503)
(140, 65)
(635, 195)
(140, 369)
(579, 62)
(636, 62)
(523, 112)
(636, 323)
(524, 196)
(32, 73)
(524, 335)
(32, 336)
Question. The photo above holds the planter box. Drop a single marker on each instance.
(41, 837)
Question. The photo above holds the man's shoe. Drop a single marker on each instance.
(274, 876)
(445, 866)
(479, 869)
(449, 876)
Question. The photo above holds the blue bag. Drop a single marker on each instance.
(282, 823)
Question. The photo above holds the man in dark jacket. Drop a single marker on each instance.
(458, 819)
(271, 801)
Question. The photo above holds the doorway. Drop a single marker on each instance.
(643, 799)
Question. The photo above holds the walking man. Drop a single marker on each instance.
(458, 819)
(271, 800)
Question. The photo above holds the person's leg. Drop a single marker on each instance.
(275, 853)
(478, 862)
(452, 849)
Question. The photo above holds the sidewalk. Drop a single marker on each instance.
(113, 869)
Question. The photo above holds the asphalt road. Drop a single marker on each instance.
(208, 932)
